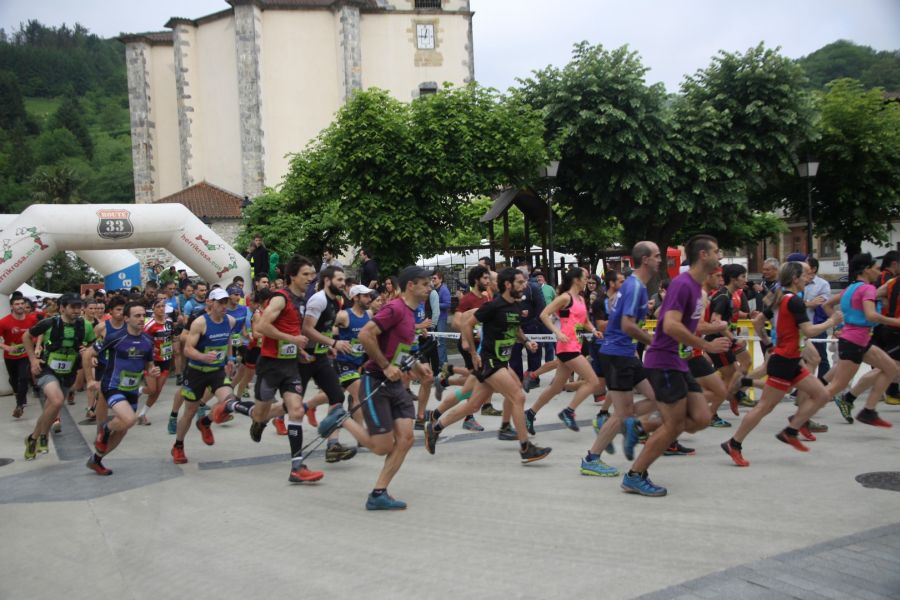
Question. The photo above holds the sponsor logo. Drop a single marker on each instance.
(114, 224)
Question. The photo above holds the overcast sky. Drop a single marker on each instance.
(514, 37)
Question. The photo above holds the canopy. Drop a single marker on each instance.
(470, 258)
(32, 293)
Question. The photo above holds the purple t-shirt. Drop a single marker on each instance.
(684, 295)
(397, 323)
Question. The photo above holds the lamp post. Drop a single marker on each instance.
(807, 170)
(549, 171)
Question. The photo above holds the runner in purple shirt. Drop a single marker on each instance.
(678, 396)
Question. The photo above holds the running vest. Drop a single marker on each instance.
(853, 316)
(215, 339)
(356, 356)
(60, 353)
(289, 322)
(111, 334)
(239, 313)
(325, 324)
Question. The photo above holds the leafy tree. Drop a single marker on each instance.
(53, 145)
(56, 185)
(856, 194)
(843, 58)
(64, 272)
(12, 107)
(69, 116)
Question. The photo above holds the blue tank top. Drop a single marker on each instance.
(240, 314)
(112, 333)
(351, 334)
(214, 340)
(128, 356)
(853, 316)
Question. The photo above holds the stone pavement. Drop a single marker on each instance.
(479, 524)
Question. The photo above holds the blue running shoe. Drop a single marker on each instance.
(631, 437)
(384, 502)
(597, 423)
(635, 484)
(202, 411)
(172, 427)
(568, 418)
(598, 468)
(332, 421)
(529, 421)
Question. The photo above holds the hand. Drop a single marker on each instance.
(301, 341)
(426, 324)
(561, 337)
(837, 317)
(210, 356)
(229, 369)
(342, 346)
(718, 326)
(393, 372)
(476, 362)
(817, 302)
(717, 346)
(154, 371)
(532, 347)
(95, 385)
(36, 367)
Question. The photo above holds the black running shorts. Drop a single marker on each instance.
(623, 373)
(321, 370)
(671, 386)
(847, 350)
(277, 376)
(700, 367)
(784, 373)
(196, 382)
(567, 356)
(489, 366)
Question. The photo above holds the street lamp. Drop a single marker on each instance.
(549, 171)
(807, 170)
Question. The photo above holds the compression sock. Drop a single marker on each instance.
(295, 437)
(241, 406)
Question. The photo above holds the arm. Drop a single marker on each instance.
(876, 317)
(675, 329)
(467, 332)
(368, 337)
(557, 303)
(631, 329)
(810, 330)
(198, 328)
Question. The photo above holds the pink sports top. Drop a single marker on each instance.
(571, 322)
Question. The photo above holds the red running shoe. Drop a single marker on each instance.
(872, 418)
(733, 405)
(206, 433)
(311, 415)
(219, 414)
(808, 435)
(791, 440)
(280, 427)
(735, 455)
(100, 444)
(178, 456)
(304, 475)
(98, 468)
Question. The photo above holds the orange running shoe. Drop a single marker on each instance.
(178, 456)
(735, 454)
(791, 440)
(280, 427)
(304, 475)
(206, 432)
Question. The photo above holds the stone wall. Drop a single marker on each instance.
(184, 100)
(247, 32)
(137, 55)
(351, 64)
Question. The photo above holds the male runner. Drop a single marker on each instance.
(12, 327)
(679, 397)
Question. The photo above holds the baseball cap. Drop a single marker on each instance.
(796, 257)
(68, 299)
(887, 259)
(356, 290)
(410, 273)
(218, 294)
(235, 289)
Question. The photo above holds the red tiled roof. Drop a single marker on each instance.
(206, 200)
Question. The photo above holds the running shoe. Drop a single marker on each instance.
(304, 475)
(70, 399)
(529, 421)
(631, 438)
(817, 427)
(870, 417)
(676, 449)
(529, 382)
(206, 433)
(892, 400)
(280, 427)
(488, 410)
(178, 456)
(97, 467)
(599, 398)
(310, 415)
(507, 434)
(42, 446)
(419, 425)
(598, 468)
(438, 389)
(791, 440)
(101, 443)
(220, 413)
(57, 426)
(338, 452)
(568, 418)
(446, 371)
(744, 400)
(89, 415)
(332, 421)
(202, 411)
(470, 424)
(597, 424)
(384, 502)
(256, 430)
(18, 411)
(845, 407)
(30, 448)
(733, 405)
(718, 421)
(533, 453)
(172, 426)
(143, 420)
(431, 437)
(735, 454)
(641, 484)
(246, 394)
(808, 435)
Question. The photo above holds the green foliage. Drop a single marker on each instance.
(53, 145)
(395, 176)
(68, 116)
(856, 195)
(843, 58)
(56, 185)
(63, 273)
(287, 232)
(12, 106)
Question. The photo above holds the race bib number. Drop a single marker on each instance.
(17, 350)
(61, 363)
(287, 349)
(685, 351)
(321, 348)
(503, 349)
(166, 351)
(356, 348)
(401, 355)
(129, 381)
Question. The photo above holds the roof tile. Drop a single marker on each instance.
(206, 200)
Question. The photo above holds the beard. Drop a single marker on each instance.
(334, 290)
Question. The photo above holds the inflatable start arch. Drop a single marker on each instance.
(30, 239)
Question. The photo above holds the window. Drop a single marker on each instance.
(429, 87)
(828, 248)
(428, 4)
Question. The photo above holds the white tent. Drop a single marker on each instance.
(32, 293)
(470, 258)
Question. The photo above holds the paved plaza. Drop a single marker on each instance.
(479, 524)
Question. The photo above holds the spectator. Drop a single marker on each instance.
(167, 275)
(369, 275)
(444, 301)
(258, 256)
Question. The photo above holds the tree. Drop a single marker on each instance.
(64, 272)
(843, 59)
(56, 185)
(54, 145)
(69, 115)
(856, 193)
(393, 176)
(12, 107)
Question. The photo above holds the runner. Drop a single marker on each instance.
(501, 320)
(128, 355)
(388, 406)
(159, 328)
(208, 350)
(570, 308)
(855, 343)
(786, 369)
(12, 327)
(679, 398)
(349, 323)
(620, 363)
(62, 339)
(727, 304)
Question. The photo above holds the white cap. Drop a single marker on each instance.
(356, 290)
(100, 291)
(218, 294)
(169, 308)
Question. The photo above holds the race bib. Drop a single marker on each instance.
(17, 350)
(321, 348)
(401, 354)
(129, 381)
(685, 351)
(356, 348)
(166, 350)
(61, 363)
(287, 349)
(503, 349)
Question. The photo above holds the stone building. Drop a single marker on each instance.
(226, 97)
